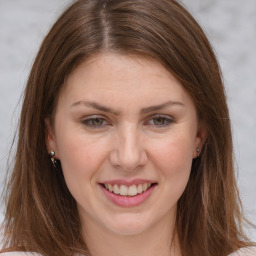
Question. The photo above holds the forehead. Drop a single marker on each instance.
(111, 76)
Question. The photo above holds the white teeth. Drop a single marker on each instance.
(124, 190)
(144, 187)
(139, 189)
(132, 191)
(116, 189)
(110, 188)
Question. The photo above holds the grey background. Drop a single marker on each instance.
(230, 26)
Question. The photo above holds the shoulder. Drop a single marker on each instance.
(20, 254)
(250, 251)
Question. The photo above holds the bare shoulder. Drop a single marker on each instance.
(20, 254)
(250, 251)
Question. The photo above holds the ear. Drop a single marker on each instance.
(50, 140)
(200, 139)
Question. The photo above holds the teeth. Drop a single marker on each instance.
(110, 188)
(124, 190)
(139, 189)
(116, 189)
(132, 191)
(144, 187)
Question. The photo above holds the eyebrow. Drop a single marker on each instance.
(100, 107)
(161, 106)
(95, 105)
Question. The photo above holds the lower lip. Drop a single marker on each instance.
(128, 201)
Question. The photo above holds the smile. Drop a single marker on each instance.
(124, 190)
(130, 194)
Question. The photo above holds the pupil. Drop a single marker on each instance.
(159, 121)
(97, 121)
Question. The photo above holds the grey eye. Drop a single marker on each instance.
(160, 121)
(96, 122)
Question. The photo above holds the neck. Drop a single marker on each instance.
(152, 242)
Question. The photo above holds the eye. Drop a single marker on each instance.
(95, 122)
(160, 121)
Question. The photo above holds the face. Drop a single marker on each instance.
(126, 133)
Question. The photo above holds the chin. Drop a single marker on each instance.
(127, 225)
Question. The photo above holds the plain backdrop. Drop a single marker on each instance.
(231, 28)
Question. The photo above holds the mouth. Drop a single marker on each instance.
(128, 191)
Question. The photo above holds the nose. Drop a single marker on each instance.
(128, 152)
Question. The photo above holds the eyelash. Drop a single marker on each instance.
(89, 122)
(103, 122)
(166, 119)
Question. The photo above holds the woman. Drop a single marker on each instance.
(124, 143)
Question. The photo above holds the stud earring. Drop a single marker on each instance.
(54, 162)
(198, 150)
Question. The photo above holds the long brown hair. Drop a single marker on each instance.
(41, 214)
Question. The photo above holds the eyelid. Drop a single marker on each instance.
(87, 119)
(161, 115)
(167, 118)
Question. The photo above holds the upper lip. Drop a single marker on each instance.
(127, 182)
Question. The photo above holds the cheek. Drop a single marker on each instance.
(80, 156)
(173, 158)
(176, 151)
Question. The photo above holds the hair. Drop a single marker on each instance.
(41, 215)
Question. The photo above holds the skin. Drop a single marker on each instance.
(126, 143)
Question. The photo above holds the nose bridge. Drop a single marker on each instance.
(129, 153)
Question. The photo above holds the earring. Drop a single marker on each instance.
(198, 150)
(54, 162)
